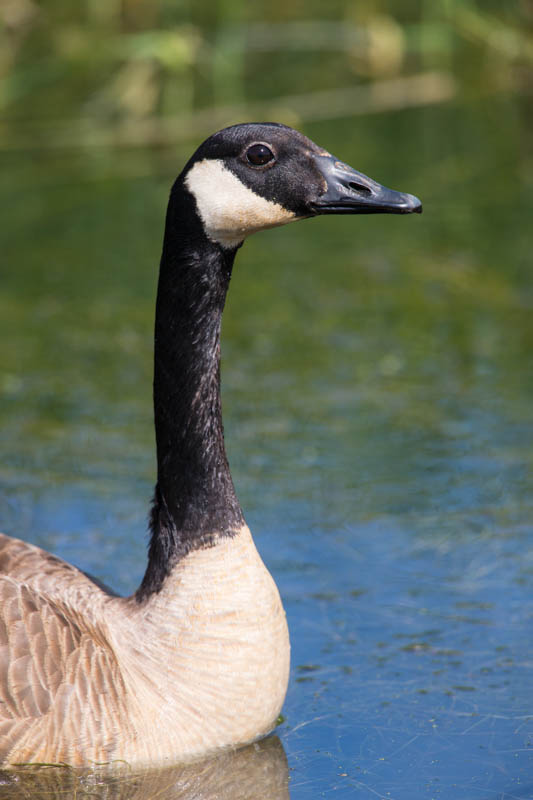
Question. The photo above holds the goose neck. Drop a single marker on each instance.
(194, 501)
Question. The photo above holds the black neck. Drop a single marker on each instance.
(194, 501)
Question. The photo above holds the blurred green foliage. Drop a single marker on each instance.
(128, 71)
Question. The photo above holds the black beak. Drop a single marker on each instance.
(351, 192)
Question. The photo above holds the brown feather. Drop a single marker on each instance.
(86, 676)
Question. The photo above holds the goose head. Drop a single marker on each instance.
(250, 177)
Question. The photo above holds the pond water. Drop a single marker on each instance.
(377, 379)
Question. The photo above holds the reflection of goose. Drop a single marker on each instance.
(198, 658)
(256, 772)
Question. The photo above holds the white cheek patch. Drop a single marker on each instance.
(229, 210)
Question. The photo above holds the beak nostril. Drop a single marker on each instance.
(347, 191)
(359, 187)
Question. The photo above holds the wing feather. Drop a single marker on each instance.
(61, 688)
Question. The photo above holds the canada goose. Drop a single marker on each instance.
(198, 658)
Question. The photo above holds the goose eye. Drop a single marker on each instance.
(259, 154)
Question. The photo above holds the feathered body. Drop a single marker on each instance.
(198, 658)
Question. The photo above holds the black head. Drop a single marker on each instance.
(258, 175)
